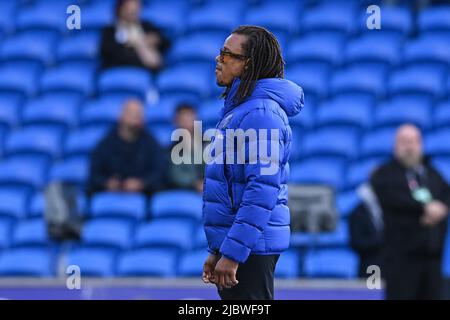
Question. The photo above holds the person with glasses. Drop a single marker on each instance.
(246, 218)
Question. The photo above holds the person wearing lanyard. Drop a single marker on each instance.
(415, 201)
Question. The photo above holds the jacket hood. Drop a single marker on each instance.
(286, 93)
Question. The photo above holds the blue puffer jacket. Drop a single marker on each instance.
(245, 212)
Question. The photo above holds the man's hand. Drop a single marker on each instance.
(208, 268)
(133, 185)
(435, 211)
(225, 273)
(113, 184)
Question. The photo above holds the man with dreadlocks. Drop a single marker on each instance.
(246, 218)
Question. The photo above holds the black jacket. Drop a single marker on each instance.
(143, 159)
(403, 232)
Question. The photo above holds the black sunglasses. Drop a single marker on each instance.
(231, 54)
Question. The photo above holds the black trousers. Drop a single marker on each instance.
(413, 278)
(256, 277)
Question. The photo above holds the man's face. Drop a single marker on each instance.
(408, 146)
(232, 62)
(185, 119)
(130, 11)
(132, 117)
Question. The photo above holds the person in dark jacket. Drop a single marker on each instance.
(246, 218)
(415, 200)
(128, 159)
(131, 42)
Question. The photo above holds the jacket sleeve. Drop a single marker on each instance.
(261, 190)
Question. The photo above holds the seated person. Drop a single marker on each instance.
(128, 159)
(186, 175)
(131, 42)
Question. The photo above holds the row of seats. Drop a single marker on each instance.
(333, 263)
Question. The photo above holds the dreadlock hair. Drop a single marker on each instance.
(264, 59)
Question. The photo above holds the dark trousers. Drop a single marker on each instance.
(413, 278)
(255, 276)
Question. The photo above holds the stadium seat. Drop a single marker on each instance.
(397, 111)
(359, 172)
(441, 115)
(300, 239)
(107, 233)
(36, 207)
(442, 164)
(395, 20)
(30, 262)
(162, 111)
(312, 79)
(176, 203)
(12, 203)
(104, 111)
(324, 18)
(118, 205)
(435, 145)
(213, 18)
(166, 15)
(185, 79)
(209, 113)
(74, 171)
(318, 171)
(303, 121)
(428, 49)
(9, 110)
(83, 141)
(336, 238)
(339, 143)
(147, 262)
(43, 15)
(164, 233)
(30, 233)
(162, 133)
(128, 80)
(346, 202)
(191, 263)
(198, 47)
(97, 15)
(8, 9)
(288, 265)
(5, 233)
(68, 79)
(34, 141)
(200, 241)
(21, 81)
(344, 111)
(24, 174)
(365, 81)
(331, 263)
(378, 143)
(92, 262)
(434, 19)
(82, 46)
(51, 110)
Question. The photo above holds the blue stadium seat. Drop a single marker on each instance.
(200, 241)
(365, 81)
(68, 79)
(213, 18)
(446, 258)
(164, 233)
(92, 262)
(97, 15)
(128, 80)
(344, 111)
(313, 80)
(346, 202)
(288, 265)
(30, 233)
(441, 115)
(36, 207)
(22, 173)
(9, 110)
(417, 80)
(44, 15)
(324, 18)
(428, 49)
(118, 205)
(331, 263)
(12, 203)
(318, 171)
(176, 203)
(83, 141)
(336, 238)
(339, 143)
(34, 141)
(104, 111)
(300, 239)
(442, 164)
(107, 233)
(209, 113)
(166, 15)
(185, 79)
(162, 111)
(435, 145)
(82, 46)
(395, 20)
(8, 9)
(162, 133)
(198, 47)
(324, 48)
(74, 170)
(148, 262)
(51, 110)
(434, 19)
(191, 263)
(5, 233)
(359, 172)
(397, 111)
(304, 120)
(27, 262)
(378, 143)
(21, 81)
